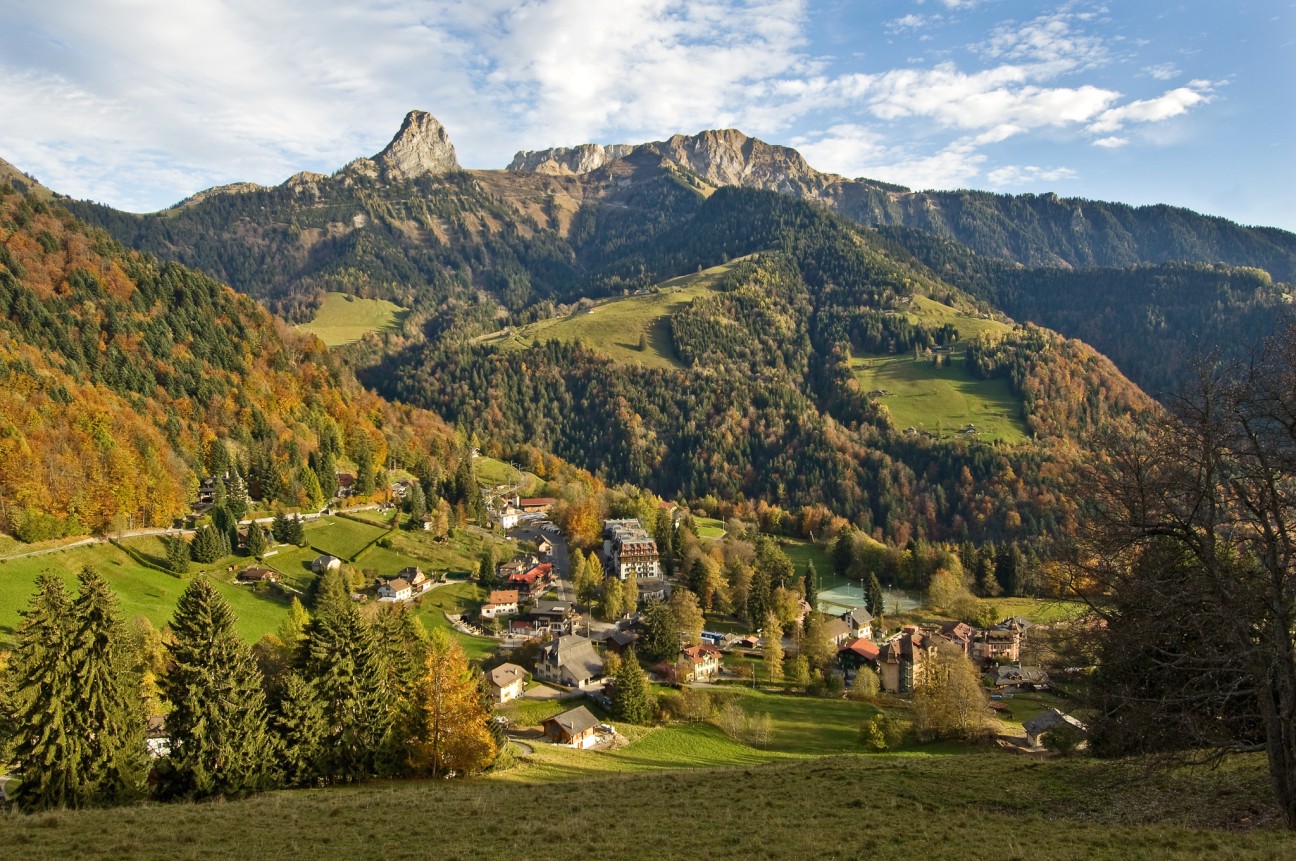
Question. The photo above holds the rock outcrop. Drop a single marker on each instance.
(420, 148)
(569, 161)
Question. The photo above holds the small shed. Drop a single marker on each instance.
(575, 728)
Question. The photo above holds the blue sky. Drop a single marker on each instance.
(139, 103)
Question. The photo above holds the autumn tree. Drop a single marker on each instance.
(449, 733)
(1207, 490)
(949, 701)
(772, 648)
(689, 620)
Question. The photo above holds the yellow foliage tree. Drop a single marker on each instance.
(450, 735)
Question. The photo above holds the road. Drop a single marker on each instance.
(560, 557)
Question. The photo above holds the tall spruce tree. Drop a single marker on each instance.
(345, 666)
(874, 601)
(220, 744)
(256, 544)
(811, 583)
(177, 554)
(300, 728)
(107, 708)
(47, 748)
(631, 696)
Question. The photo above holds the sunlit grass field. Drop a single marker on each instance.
(343, 319)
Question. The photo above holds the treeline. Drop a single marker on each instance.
(333, 697)
(124, 379)
(1151, 320)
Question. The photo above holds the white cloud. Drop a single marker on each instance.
(1111, 142)
(1051, 41)
(1172, 104)
(1017, 176)
(1164, 71)
(858, 151)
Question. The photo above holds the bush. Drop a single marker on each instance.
(866, 685)
(880, 733)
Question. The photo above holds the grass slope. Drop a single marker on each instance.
(946, 399)
(972, 806)
(613, 327)
(343, 319)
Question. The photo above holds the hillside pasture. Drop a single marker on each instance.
(343, 538)
(613, 327)
(942, 400)
(344, 319)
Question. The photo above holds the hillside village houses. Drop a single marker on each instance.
(506, 682)
(629, 549)
(569, 660)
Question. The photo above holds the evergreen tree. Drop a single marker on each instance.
(48, 739)
(874, 601)
(256, 544)
(345, 667)
(631, 696)
(177, 554)
(297, 531)
(758, 598)
(220, 744)
(237, 501)
(416, 504)
(660, 640)
(449, 722)
(811, 582)
(206, 546)
(664, 535)
(843, 553)
(107, 708)
(299, 727)
(280, 528)
(486, 567)
(326, 474)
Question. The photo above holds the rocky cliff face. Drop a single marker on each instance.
(420, 148)
(721, 157)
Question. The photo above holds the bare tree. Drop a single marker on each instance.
(1192, 545)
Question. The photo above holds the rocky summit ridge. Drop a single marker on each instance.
(421, 148)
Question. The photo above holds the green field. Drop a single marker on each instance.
(654, 805)
(947, 399)
(343, 538)
(454, 598)
(614, 326)
(941, 400)
(492, 473)
(343, 319)
(141, 591)
(709, 527)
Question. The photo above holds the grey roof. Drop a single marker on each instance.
(575, 721)
(860, 616)
(576, 655)
(1045, 721)
(552, 607)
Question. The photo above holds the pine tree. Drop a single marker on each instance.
(107, 707)
(843, 553)
(811, 581)
(416, 504)
(48, 739)
(206, 545)
(296, 531)
(256, 544)
(326, 473)
(220, 744)
(660, 640)
(345, 667)
(177, 554)
(280, 528)
(631, 696)
(449, 732)
(237, 495)
(299, 727)
(874, 601)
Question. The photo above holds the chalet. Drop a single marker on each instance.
(699, 663)
(427, 522)
(902, 660)
(557, 617)
(535, 505)
(857, 653)
(1043, 722)
(618, 641)
(395, 589)
(960, 634)
(512, 567)
(207, 491)
(575, 728)
(506, 682)
(403, 488)
(258, 575)
(860, 621)
(569, 660)
(545, 547)
(502, 602)
(628, 548)
(324, 564)
(838, 632)
(346, 482)
(419, 582)
(1015, 676)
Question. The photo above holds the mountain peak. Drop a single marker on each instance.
(420, 148)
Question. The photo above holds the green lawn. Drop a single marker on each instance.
(941, 400)
(801, 552)
(341, 537)
(709, 527)
(969, 324)
(614, 326)
(140, 591)
(343, 319)
(455, 598)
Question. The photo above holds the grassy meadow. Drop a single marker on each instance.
(344, 319)
(668, 798)
(613, 327)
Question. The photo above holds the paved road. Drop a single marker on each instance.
(560, 557)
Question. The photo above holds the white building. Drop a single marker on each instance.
(628, 548)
